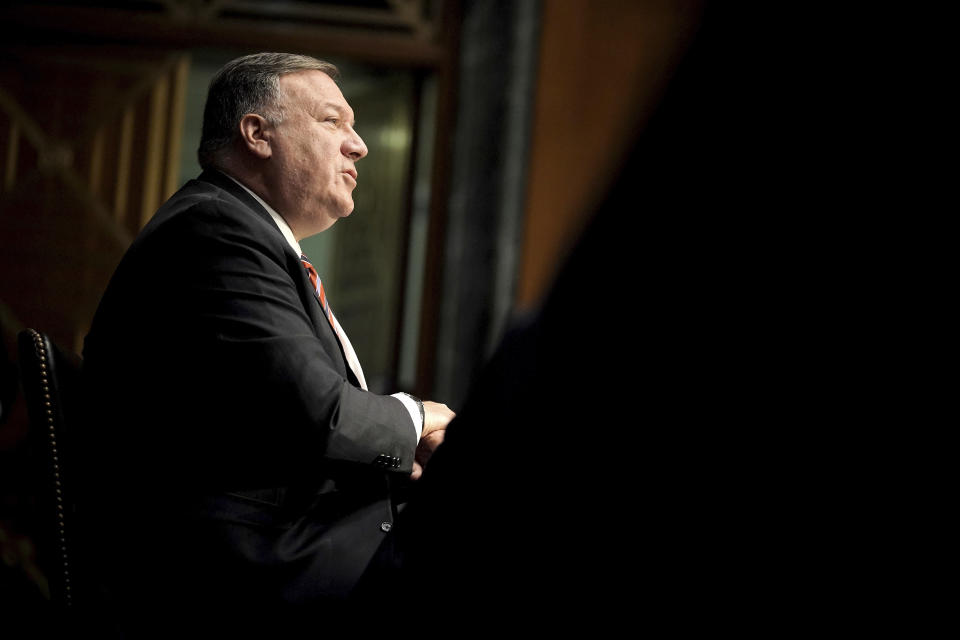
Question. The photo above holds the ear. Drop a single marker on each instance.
(255, 135)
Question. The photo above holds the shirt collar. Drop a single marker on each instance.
(284, 227)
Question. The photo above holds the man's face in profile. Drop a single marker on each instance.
(314, 153)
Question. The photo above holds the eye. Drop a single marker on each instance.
(333, 120)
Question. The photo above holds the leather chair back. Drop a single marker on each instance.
(51, 379)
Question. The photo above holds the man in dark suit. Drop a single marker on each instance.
(236, 461)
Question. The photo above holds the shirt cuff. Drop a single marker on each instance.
(414, 411)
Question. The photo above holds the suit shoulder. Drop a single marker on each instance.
(202, 199)
(205, 210)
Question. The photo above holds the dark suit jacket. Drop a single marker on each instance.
(232, 457)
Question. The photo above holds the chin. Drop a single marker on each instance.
(346, 210)
(331, 220)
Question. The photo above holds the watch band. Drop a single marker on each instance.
(423, 415)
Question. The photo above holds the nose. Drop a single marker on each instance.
(353, 146)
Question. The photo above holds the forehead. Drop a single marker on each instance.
(311, 89)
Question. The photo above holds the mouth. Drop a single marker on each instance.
(352, 173)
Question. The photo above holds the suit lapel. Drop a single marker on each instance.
(308, 296)
(321, 323)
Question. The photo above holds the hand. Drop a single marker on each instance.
(436, 417)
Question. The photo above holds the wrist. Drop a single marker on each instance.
(423, 415)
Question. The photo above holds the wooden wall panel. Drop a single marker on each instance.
(602, 65)
(84, 163)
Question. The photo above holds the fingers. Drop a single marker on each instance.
(432, 440)
(436, 415)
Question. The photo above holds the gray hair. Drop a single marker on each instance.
(249, 84)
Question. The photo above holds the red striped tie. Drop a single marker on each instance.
(318, 287)
(351, 356)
